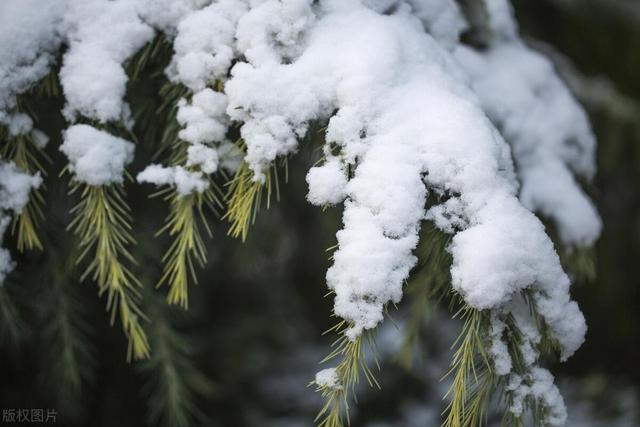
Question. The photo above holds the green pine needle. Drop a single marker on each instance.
(187, 247)
(351, 365)
(245, 198)
(174, 382)
(473, 380)
(22, 150)
(427, 285)
(66, 334)
(102, 222)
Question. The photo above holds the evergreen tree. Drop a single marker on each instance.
(447, 151)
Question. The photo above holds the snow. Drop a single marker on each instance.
(398, 95)
(17, 123)
(95, 156)
(101, 35)
(29, 38)
(440, 18)
(204, 157)
(498, 349)
(539, 386)
(519, 90)
(185, 181)
(6, 263)
(501, 19)
(204, 44)
(166, 14)
(272, 31)
(412, 117)
(15, 186)
(328, 378)
(327, 183)
(204, 118)
(39, 138)
(204, 48)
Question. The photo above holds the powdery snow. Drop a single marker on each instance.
(101, 35)
(442, 19)
(6, 263)
(519, 90)
(29, 37)
(15, 186)
(185, 181)
(327, 183)
(203, 119)
(328, 378)
(410, 114)
(95, 156)
(204, 44)
(398, 95)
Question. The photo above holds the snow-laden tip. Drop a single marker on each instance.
(95, 156)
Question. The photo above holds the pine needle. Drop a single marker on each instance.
(174, 381)
(427, 285)
(473, 379)
(351, 364)
(22, 150)
(187, 247)
(101, 220)
(245, 198)
(66, 333)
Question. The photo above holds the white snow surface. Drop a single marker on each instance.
(185, 181)
(165, 15)
(327, 183)
(410, 114)
(6, 263)
(15, 186)
(549, 132)
(442, 19)
(29, 37)
(101, 35)
(204, 119)
(95, 156)
(328, 378)
(405, 117)
(204, 44)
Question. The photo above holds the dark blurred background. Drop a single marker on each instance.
(251, 341)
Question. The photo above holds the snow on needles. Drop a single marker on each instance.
(29, 38)
(204, 50)
(520, 90)
(101, 36)
(96, 157)
(398, 95)
(410, 115)
(15, 186)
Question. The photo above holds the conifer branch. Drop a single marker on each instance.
(13, 327)
(244, 197)
(427, 285)
(174, 381)
(473, 380)
(350, 354)
(67, 335)
(102, 222)
(187, 247)
(22, 150)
